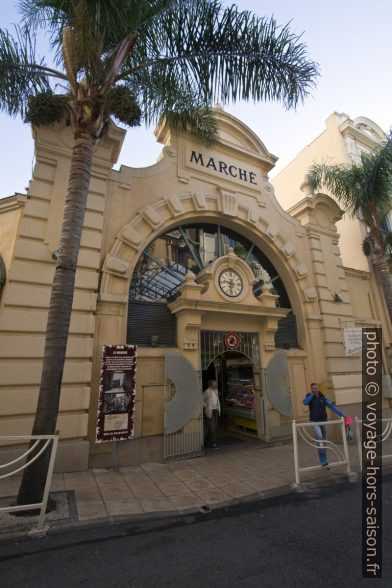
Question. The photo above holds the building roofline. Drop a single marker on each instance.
(12, 202)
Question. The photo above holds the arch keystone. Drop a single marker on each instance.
(199, 201)
(151, 216)
(288, 249)
(301, 270)
(253, 216)
(175, 205)
(131, 237)
(272, 231)
(115, 265)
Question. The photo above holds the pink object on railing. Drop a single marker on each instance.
(348, 420)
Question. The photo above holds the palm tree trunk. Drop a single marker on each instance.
(59, 314)
(380, 265)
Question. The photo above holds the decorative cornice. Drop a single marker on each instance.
(12, 202)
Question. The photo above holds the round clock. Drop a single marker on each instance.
(230, 283)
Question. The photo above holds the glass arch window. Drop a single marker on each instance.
(161, 271)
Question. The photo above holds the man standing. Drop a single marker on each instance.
(317, 403)
(212, 409)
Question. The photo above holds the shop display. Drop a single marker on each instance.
(240, 396)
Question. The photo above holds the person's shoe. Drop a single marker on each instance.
(215, 446)
(326, 466)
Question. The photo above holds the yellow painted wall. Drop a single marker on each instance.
(333, 146)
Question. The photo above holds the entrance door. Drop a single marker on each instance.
(183, 416)
(233, 372)
(277, 398)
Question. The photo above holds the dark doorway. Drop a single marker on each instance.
(233, 372)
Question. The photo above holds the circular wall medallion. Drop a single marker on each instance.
(230, 282)
(232, 340)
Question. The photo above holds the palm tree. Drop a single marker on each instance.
(365, 190)
(134, 60)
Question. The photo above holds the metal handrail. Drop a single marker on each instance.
(313, 442)
(43, 504)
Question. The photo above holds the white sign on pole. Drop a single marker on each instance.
(353, 340)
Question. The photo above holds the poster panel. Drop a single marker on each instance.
(353, 340)
(116, 402)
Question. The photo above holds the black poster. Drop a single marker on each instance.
(116, 403)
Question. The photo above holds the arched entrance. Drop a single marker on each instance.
(234, 374)
(233, 360)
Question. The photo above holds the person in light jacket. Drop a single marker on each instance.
(212, 410)
(318, 403)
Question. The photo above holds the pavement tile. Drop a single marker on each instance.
(155, 468)
(196, 484)
(113, 493)
(238, 490)
(156, 504)
(187, 474)
(140, 478)
(147, 492)
(186, 500)
(91, 510)
(137, 482)
(77, 480)
(179, 465)
(220, 479)
(173, 489)
(163, 479)
(58, 483)
(131, 470)
(122, 508)
(212, 496)
(85, 494)
(108, 478)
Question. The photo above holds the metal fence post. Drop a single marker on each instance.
(45, 497)
(359, 442)
(295, 446)
(345, 446)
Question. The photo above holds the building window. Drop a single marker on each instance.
(161, 271)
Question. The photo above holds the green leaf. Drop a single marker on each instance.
(20, 74)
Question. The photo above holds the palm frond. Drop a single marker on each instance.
(345, 182)
(179, 101)
(20, 73)
(200, 121)
(364, 187)
(233, 55)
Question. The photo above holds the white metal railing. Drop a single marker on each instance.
(386, 433)
(18, 466)
(299, 430)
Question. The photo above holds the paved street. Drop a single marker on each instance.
(301, 539)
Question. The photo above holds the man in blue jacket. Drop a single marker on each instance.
(318, 403)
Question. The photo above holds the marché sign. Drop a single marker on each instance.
(223, 167)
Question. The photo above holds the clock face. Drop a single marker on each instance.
(230, 283)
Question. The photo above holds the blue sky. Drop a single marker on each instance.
(350, 39)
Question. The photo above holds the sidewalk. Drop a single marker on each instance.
(244, 471)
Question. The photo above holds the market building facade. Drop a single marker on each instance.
(194, 262)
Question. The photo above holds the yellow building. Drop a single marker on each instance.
(194, 261)
(342, 141)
